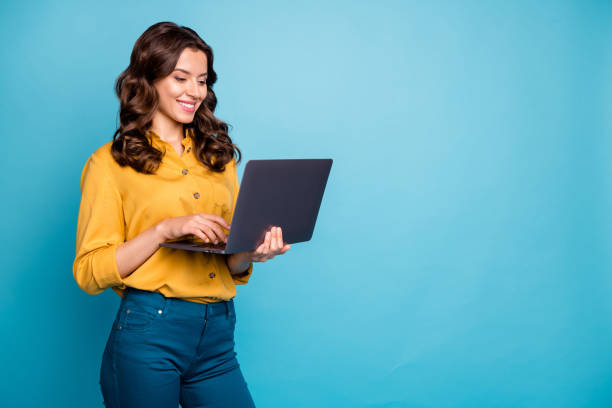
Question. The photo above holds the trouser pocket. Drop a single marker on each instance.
(140, 311)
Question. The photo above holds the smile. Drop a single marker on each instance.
(187, 106)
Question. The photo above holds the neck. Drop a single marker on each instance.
(168, 129)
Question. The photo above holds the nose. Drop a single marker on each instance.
(195, 90)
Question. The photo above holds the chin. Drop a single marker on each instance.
(184, 118)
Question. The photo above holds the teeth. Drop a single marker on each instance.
(187, 105)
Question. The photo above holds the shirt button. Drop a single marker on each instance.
(185, 171)
(127, 311)
(211, 275)
(159, 311)
(196, 195)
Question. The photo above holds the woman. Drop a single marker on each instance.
(170, 171)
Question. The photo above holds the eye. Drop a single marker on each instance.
(202, 82)
(179, 79)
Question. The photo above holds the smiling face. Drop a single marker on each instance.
(181, 93)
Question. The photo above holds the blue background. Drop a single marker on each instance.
(461, 256)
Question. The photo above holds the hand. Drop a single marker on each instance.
(205, 226)
(273, 245)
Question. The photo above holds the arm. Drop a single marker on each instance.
(102, 257)
(133, 253)
(239, 264)
(100, 230)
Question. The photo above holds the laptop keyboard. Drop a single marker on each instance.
(199, 244)
(208, 245)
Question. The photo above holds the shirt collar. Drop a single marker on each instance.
(157, 142)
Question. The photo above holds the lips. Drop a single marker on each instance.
(187, 106)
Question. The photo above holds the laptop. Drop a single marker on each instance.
(282, 192)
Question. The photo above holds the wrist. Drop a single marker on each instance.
(238, 263)
(160, 231)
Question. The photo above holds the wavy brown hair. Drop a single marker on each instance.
(154, 56)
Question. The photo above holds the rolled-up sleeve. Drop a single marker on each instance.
(100, 230)
(244, 277)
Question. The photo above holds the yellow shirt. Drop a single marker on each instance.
(117, 203)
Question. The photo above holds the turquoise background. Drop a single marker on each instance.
(461, 257)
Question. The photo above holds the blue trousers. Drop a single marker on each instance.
(165, 351)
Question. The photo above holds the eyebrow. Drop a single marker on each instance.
(187, 72)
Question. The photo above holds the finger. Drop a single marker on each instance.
(280, 237)
(267, 243)
(193, 227)
(209, 235)
(261, 247)
(198, 233)
(218, 233)
(279, 240)
(285, 248)
(216, 218)
(274, 240)
(258, 253)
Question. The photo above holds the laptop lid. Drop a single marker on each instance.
(283, 192)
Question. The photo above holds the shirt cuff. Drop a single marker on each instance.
(104, 266)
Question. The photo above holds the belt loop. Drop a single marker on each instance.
(226, 308)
